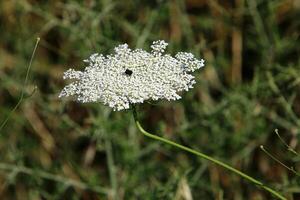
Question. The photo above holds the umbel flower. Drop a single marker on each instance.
(132, 76)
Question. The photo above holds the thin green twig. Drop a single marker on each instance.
(204, 156)
(289, 148)
(23, 88)
(278, 161)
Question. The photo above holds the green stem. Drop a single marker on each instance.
(204, 156)
(23, 88)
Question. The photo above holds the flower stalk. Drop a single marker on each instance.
(206, 157)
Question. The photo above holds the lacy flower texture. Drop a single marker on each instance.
(132, 76)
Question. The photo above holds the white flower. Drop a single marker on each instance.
(132, 76)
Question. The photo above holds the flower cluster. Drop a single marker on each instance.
(132, 76)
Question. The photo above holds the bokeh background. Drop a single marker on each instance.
(52, 148)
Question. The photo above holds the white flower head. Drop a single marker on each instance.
(132, 76)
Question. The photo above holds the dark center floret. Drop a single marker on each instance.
(128, 72)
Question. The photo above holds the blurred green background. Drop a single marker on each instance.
(58, 149)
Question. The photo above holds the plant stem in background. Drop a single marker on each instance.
(204, 156)
(23, 88)
(278, 161)
(14, 170)
(289, 148)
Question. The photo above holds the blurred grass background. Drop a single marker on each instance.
(57, 149)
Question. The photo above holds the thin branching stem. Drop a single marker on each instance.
(289, 148)
(23, 88)
(206, 157)
(278, 161)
